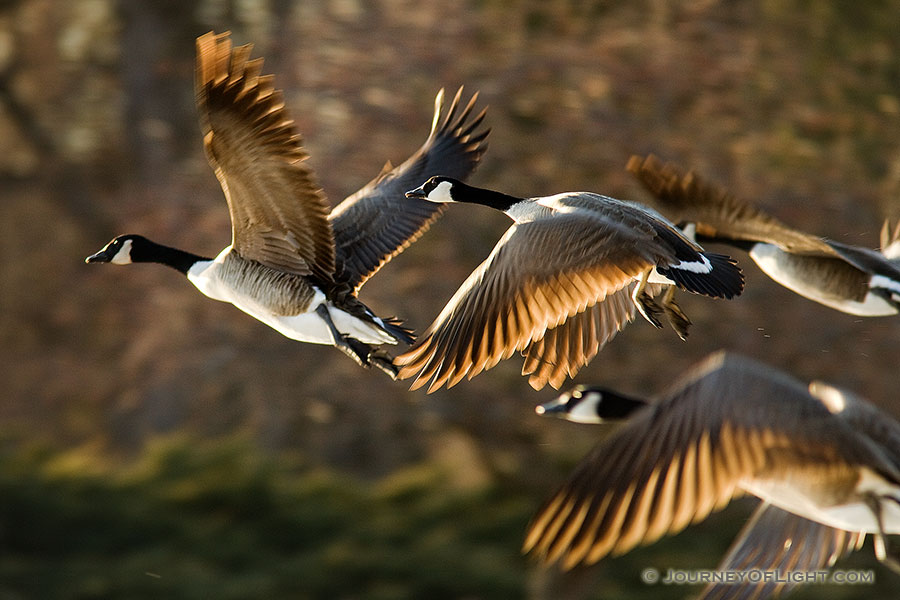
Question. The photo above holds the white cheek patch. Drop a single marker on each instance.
(585, 411)
(441, 193)
(123, 256)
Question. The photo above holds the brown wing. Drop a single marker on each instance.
(564, 350)
(688, 198)
(675, 462)
(865, 418)
(278, 213)
(776, 540)
(378, 222)
(539, 274)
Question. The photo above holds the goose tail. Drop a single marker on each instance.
(713, 275)
(394, 326)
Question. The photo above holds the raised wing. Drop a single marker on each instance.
(688, 198)
(378, 222)
(279, 216)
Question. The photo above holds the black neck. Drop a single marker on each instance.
(148, 251)
(474, 195)
(745, 245)
(615, 406)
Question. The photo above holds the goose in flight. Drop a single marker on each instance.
(292, 263)
(851, 279)
(772, 540)
(731, 426)
(565, 278)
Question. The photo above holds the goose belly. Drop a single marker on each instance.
(310, 327)
(807, 276)
(850, 514)
(283, 303)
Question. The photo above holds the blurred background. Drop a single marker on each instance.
(154, 443)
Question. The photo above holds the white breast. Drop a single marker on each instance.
(850, 516)
(304, 327)
(781, 267)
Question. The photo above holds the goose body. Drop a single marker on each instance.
(731, 426)
(565, 278)
(847, 278)
(286, 304)
(828, 280)
(292, 263)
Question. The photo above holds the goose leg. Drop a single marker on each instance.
(384, 362)
(677, 319)
(646, 305)
(359, 351)
(882, 545)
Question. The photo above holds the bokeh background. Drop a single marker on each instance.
(154, 443)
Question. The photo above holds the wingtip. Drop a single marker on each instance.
(438, 107)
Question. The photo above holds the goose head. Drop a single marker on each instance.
(584, 404)
(437, 189)
(122, 250)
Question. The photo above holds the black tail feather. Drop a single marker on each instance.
(725, 280)
(394, 326)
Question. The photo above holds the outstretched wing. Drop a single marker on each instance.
(688, 198)
(565, 349)
(279, 216)
(378, 222)
(511, 299)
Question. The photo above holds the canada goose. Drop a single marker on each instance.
(773, 538)
(730, 426)
(292, 264)
(852, 279)
(566, 276)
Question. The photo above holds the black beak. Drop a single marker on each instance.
(419, 192)
(100, 257)
(552, 408)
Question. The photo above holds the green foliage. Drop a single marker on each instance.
(219, 520)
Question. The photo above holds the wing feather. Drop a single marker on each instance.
(520, 297)
(774, 539)
(378, 222)
(688, 198)
(278, 212)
